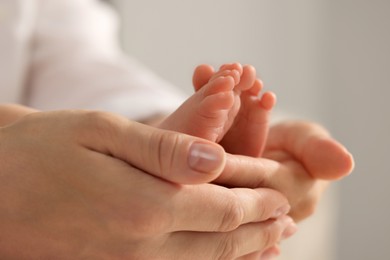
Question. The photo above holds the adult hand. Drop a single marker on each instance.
(303, 155)
(89, 184)
(9, 113)
(299, 158)
(302, 158)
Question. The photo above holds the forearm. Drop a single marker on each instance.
(9, 113)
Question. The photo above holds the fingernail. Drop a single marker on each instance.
(205, 158)
(269, 254)
(290, 230)
(281, 211)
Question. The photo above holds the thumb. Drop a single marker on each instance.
(327, 159)
(310, 143)
(172, 156)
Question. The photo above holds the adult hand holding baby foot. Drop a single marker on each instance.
(95, 185)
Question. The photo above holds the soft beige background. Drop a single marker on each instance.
(327, 60)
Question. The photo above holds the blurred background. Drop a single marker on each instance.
(327, 61)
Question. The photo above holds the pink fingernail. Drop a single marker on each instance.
(269, 254)
(281, 211)
(290, 230)
(204, 157)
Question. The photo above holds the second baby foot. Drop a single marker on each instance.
(249, 132)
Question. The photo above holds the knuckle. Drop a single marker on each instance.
(229, 248)
(233, 215)
(96, 119)
(272, 232)
(102, 123)
(309, 207)
(305, 208)
(270, 237)
(263, 202)
(263, 208)
(165, 143)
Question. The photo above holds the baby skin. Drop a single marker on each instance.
(248, 133)
(226, 108)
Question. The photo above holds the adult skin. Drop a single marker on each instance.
(302, 157)
(289, 164)
(300, 160)
(293, 163)
(71, 187)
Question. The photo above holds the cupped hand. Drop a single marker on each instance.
(301, 156)
(77, 184)
(312, 146)
(300, 159)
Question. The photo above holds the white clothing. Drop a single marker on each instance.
(63, 54)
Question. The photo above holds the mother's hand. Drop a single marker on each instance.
(300, 159)
(88, 184)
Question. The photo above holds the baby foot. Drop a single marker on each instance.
(248, 133)
(209, 112)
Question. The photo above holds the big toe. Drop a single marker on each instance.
(202, 75)
(248, 78)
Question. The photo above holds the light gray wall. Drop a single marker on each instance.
(174, 36)
(360, 112)
(326, 60)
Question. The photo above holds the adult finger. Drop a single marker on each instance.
(251, 256)
(268, 254)
(290, 178)
(271, 253)
(217, 208)
(250, 172)
(200, 208)
(244, 240)
(168, 155)
(322, 156)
